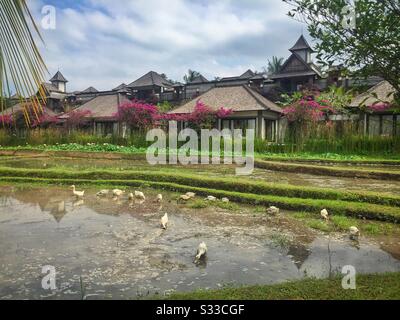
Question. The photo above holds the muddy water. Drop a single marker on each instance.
(384, 186)
(119, 251)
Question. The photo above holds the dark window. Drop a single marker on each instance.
(270, 130)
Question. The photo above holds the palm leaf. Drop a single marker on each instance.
(21, 65)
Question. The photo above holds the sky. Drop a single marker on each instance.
(103, 43)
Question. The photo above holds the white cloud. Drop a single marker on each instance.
(103, 43)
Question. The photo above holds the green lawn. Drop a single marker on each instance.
(368, 287)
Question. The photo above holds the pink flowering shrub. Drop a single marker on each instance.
(138, 115)
(308, 109)
(379, 107)
(77, 119)
(45, 120)
(202, 117)
(5, 120)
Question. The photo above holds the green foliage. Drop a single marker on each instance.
(367, 47)
(275, 65)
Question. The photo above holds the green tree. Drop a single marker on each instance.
(21, 65)
(275, 65)
(363, 36)
(190, 76)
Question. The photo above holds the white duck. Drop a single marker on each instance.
(225, 200)
(191, 194)
(159, 198)
(201, 252)
(211, 198)
(139, 195)
(325, 214)
(117, 192)
(164, 221)
(354, 233)
(102, 193)
(79, 194)
(184, 198)
(273, 211)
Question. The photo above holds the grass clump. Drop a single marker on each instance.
(368, 287)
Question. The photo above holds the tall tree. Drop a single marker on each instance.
(190, 76)
(21, 65)
(275, 65)
(363, 35)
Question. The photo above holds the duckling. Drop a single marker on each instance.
(139, 195)
(117, 192)
(201, 252)
(164, 221)
(131, 196)
(354, 233)
(325, 214)
(102, 193)
(79, 194)
(159, 198)
(211, 198)
(225, 200)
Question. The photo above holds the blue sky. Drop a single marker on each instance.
(103, 43)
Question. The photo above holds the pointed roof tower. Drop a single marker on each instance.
(301, 44)
(58, 77)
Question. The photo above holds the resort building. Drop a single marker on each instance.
(376, 118)
(250, 111)
(298, 70)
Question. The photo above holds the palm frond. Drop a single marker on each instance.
(21, 65)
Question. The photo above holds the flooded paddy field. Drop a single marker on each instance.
(115, 249)
(310, 180)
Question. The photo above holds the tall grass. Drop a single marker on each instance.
(317, 139)
(55, 136)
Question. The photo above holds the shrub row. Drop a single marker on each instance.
(328, 171)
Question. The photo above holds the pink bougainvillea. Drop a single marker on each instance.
(77, 118)
(379, 107)
(5, 120)
(202, 117)
(138, 115)
(46, 120)
(141, 115)
(308, 109)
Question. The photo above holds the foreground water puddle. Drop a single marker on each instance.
(105, 249)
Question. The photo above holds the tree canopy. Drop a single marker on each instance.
(362, 35)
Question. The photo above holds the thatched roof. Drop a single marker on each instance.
(150, 79)
(103, 107)
(383, 91)
(89, 90)
(18, 108)
(237, 98)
